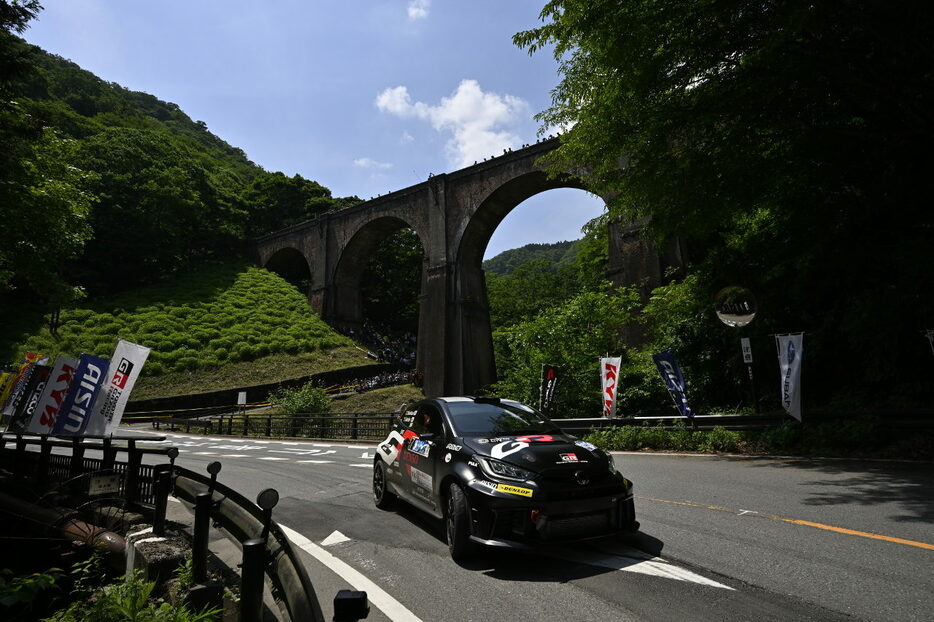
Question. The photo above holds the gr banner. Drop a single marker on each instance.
(125, 365)
(53, 395)
(546, 393)
(790, 352)
(79, 403)
(23, 412)
(609, 372)
(674, 380)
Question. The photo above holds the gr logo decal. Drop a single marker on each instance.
(501, 450)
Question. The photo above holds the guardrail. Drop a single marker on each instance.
(337, 426)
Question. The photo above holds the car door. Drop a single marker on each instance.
(420, 456)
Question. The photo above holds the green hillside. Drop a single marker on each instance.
(559, 254)
(224, 325)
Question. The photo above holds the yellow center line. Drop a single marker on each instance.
(807, 523)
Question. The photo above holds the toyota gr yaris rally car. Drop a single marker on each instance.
(499, 473)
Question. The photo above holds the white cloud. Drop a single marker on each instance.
(418, 9)
(372, 164)
(406, 138)
(479, 122)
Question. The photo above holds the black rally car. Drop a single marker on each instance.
(499, 473)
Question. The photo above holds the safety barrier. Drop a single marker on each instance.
(337, 426)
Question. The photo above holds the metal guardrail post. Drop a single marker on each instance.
(353, 427)
(163, 482)
(268, 425)
(229, 425)
(187, 426)
(246, 425)
(45, 455)
(110, 455)
(134, 460)
(251, 580)
(77, 459)
(199, 547)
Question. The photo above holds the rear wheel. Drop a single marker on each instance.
(383, 499)
(457, 519)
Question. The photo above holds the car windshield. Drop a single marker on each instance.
(503, 419)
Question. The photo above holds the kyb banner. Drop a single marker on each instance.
(76, 410)
(53, 395)
(609, 373)
(674, 380)
(790, 352)
(125, 366)
(546, 393)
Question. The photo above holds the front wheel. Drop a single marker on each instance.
(383, 499)
(457, 520)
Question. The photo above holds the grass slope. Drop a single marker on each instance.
(225, 325)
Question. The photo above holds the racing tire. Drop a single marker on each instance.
(457, 523)
(383, 499)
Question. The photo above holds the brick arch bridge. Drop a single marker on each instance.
(454, 216)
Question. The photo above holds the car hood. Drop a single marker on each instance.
(540, 452)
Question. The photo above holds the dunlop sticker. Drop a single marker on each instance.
(514, 490)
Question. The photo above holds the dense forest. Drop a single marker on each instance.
(104, 189)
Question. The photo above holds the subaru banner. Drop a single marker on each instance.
(609, 373)
(674, 380)
(790, 352)
(546, 393)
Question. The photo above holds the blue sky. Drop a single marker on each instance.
(362, 96)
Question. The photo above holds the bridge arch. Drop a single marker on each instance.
(292, 265)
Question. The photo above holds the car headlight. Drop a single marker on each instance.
(495, 468)
(609, 462)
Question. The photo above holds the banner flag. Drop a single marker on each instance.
(790, 352)
(79, 403)
(56, 388)
(674, 380)
(609, 371)
(19, 390)
(125, 364)
(7, 379)
(546, 392)
(29, 359)
(22, 413)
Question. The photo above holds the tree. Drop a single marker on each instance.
(788, 142)
(573, 336)
(275, 201)
(392, 283)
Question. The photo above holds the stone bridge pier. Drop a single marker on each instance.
(454, 215)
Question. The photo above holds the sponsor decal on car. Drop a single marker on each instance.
(568, 457)
(453, 447)
(514, 490)
(447, 457)
(421, 479)
(420, 447)
(585, 445)
(536, 438)
(408, 456)
(473, 463)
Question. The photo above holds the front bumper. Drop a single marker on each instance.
(519, 523)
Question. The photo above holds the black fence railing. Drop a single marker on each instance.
(339, 426)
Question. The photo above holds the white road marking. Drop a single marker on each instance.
(365, 466)
(272, 458)
(314, 461)
(631, 560)
(391, 608)
(205, 453)
(365, 455)
(320, 445)
(234, 455)
(336, 537)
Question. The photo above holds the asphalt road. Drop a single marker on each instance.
(722, 538)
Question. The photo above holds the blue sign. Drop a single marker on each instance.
(674, 380)
(76, 409)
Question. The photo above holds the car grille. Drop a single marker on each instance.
(581, 526)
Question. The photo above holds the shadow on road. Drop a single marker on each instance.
(846, 482)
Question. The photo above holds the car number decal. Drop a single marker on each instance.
(514, 490)
(501, 450)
